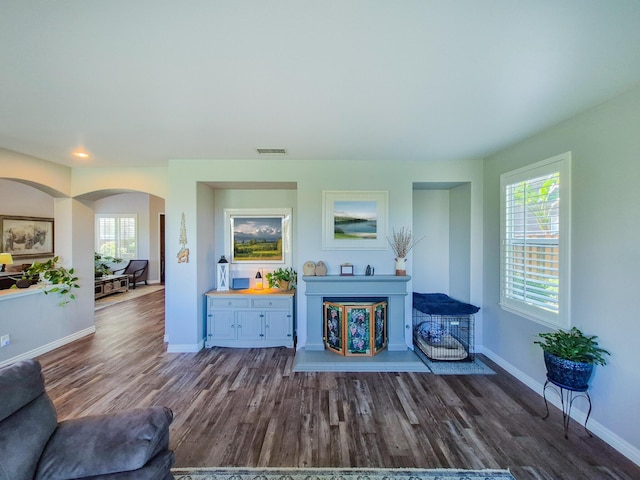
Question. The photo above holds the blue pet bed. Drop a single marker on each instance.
(441, 304)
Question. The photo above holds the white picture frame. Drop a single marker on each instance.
(354, 220)
(242, 225)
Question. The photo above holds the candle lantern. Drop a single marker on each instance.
(223, 274)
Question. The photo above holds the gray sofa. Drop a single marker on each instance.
(126, 445)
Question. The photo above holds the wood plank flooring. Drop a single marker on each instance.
(246, 407)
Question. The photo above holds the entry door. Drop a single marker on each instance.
(162, 248)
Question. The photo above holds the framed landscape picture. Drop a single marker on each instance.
(258, 235)
(25, 237)
(354, 220)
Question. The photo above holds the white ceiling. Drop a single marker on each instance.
(140, 82)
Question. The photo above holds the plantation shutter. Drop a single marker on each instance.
(532, 239)
(127, 237)
(116, 236)
(534, 270)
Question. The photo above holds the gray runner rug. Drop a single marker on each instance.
(476, 367)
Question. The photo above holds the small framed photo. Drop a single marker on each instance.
(346, 269)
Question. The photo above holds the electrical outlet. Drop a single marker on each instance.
(5, 340)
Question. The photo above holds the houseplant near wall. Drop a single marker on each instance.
(63, 280)
(570, 357)
(285, 279)
(101, 264)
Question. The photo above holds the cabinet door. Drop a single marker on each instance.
(250, 325)
(279, 325)
(222, 325)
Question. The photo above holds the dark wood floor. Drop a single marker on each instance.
(245, 407)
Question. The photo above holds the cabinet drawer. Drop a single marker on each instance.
(271, 302)
(229, 302)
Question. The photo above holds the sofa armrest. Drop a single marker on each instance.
(104, 444)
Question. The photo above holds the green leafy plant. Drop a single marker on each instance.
(282, 277)
(573, 345)
(63, 281)
(101, 264)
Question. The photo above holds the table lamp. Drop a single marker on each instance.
(5, 259)
(259, 280)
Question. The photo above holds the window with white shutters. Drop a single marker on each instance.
(535, 231)
(117, 236)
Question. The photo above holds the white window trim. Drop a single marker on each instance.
(562, 164)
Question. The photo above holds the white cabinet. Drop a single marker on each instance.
(246, 319)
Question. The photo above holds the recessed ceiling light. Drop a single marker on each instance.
(80, 153)
(272, 151)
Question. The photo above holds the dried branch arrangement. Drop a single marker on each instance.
(403, 242)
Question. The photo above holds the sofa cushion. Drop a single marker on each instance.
(105, 444)
(27, 419)
(23, 437)
(159, 468)
(20, 383)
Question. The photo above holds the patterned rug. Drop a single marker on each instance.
(240, 473)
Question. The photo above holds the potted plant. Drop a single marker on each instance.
(283, 278)
(101, 264)
(570, 357)
(63, 280)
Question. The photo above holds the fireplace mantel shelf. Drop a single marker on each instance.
(356, 278)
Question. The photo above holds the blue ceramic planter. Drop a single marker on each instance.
(567, 373)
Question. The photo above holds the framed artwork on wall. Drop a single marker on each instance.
(25, 237)
(354, 220)
(256, 235)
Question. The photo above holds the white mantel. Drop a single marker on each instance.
(394, 288)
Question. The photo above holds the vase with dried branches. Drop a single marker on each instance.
(401, 245)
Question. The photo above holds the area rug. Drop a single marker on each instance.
(455, 368)
(115, 298)
(241, 473)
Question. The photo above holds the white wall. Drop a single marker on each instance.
(23, 200)
(431, 255)
(605, 259)
(184, 313)
(460, 242)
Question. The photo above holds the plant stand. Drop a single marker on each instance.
(567, 396)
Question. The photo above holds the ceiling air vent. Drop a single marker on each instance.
(272, 151)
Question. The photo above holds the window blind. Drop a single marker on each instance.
(535, 235)
(532, 241)
(116, 235)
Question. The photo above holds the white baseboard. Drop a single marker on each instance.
(50, 346)
(185, 348)
(620, 444)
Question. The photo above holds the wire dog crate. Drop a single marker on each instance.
(442, 336)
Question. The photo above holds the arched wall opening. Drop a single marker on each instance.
(74, 220)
